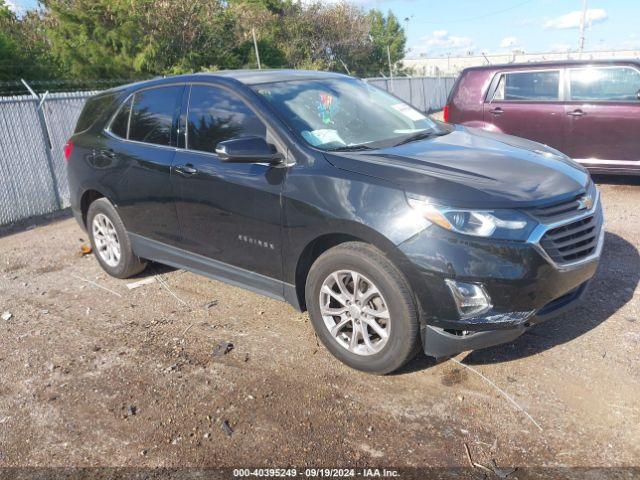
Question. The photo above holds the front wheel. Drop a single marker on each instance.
(110, 242)
(362, 308)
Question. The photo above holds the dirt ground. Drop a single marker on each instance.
(95, 374)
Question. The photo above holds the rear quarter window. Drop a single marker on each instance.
(612, 84)
(120, 124)
(92, 110)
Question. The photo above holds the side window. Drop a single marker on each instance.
(94, 107)
(120, 124)
(619, 84)
(152, 115)
(529, 86)
(216, 115)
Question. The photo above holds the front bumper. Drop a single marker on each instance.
(525, 285)
(439, 343)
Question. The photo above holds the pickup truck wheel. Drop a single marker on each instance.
(362, 308)
(110, 242)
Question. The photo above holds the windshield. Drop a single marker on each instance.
(344, 113)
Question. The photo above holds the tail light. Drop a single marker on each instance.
(445, 113)
(68, 148)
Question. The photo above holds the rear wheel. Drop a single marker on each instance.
(110, 242)
(362, 309)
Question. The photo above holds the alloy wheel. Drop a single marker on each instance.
(355, 312)
(106, 240)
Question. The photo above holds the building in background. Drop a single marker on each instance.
(452, 66)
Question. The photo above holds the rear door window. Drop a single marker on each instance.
(612, 84)
(153, 114)
(216, 115)
(529, 86)
(120, 124)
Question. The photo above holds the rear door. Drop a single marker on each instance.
(141, 146)
(528, 104)
(603, 115)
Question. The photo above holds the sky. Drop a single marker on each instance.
(456, 27)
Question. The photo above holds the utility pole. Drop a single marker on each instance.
(390, 68)
(255, 45)
(583, 22)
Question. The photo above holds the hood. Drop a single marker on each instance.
(473, 168)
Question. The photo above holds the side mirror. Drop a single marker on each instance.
(638, 94)
(248, 150)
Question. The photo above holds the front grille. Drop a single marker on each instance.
(558, 210)
(562, 210)
(574, 241)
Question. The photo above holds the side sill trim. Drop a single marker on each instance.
(597, 162)
(176, 257)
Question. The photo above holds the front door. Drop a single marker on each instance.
(229, 212)
(527, 104)
(603, 116)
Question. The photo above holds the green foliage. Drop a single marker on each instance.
(24, 51)
(385, 31)
(95, 38)
(112, 39)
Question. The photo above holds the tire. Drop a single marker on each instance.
(111, 230)
(382, 354)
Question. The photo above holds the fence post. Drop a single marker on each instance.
(44, 126)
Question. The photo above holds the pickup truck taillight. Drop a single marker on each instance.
(445, 113)
(68, 148)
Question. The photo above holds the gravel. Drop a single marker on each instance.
(98, 355)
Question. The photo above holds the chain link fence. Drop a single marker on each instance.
(427, 94)
(34, 129)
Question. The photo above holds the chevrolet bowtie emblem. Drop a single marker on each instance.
(585, 203)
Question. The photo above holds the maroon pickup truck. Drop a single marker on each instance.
(589, 110)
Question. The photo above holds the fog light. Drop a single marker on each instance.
(471, 298)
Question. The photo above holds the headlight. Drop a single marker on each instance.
(501, 224)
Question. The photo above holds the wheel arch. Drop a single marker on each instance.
(323, 242)
(87, 198)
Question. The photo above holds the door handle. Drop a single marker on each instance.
(186, 170)
(496, 111)
(576, 113)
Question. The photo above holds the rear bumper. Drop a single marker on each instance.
(439, 343)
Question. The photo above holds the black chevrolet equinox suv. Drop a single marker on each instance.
(394, 231)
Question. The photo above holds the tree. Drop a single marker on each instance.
(96, 38)
(262, 16)
(324, 36)
(113, 39)
(384, 31)
(24, 51)
(185, 37)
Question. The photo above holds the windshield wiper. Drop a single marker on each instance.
(349, 148)
(416, 136)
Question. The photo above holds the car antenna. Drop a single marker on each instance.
(485, 57)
